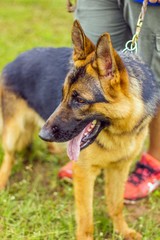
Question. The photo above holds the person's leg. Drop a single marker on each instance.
(154, 147)
(97, 17)
(146, 176)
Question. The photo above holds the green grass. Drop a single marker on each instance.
(25, 24)
(36, 205)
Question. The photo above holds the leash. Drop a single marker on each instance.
(132, 45)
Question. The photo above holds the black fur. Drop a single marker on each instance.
(149, 88)
(37, 76)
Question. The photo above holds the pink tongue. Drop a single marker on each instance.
(73, 148)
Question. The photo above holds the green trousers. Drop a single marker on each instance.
(119, 18)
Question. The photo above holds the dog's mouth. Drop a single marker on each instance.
(84, 138)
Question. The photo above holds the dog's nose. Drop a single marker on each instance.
(45, 134)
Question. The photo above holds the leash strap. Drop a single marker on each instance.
(132, 45)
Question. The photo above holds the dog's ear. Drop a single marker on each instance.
(104, 56)
(81, 44)
(109, 65)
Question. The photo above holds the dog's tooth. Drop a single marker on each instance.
(94, 122)
(90, 128)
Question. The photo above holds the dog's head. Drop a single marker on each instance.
(94, 94)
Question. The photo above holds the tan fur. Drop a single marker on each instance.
(18, 124)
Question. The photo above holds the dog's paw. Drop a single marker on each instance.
(132, 235)
(3, 180)
(2, 186)
(85, 238)
(85, 235)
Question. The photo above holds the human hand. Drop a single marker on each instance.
(154, 1)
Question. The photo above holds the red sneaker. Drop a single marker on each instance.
(66, 171)
(143, 180)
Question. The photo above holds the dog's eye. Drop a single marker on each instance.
(80, 100)
(76, 98)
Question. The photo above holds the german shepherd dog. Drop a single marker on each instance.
(30, 90)
(108, 101)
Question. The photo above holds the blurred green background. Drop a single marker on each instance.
(25, 24)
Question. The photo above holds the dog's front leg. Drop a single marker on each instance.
(116, 175)
(6, 168)
(84, 178)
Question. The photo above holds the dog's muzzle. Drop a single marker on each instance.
(46, 134)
